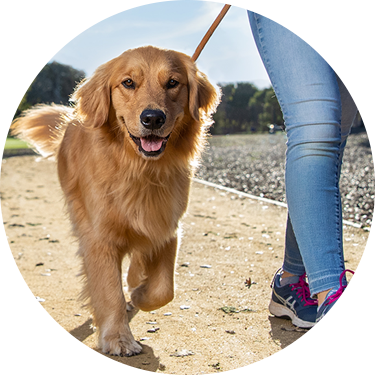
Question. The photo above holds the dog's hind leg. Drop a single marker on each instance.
(102, 268)
(157, 289)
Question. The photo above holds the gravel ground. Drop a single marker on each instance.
(255, 164)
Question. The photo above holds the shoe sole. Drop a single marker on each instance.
(282, 311)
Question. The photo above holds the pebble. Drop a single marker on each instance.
(184, 307)
(167, 314)
(153, 330)
(206, 266)
(182, 353)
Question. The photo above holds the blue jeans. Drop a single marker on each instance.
(318, 113)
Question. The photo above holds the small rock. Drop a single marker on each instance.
(153, 330)
(184, 307)
(39, 299)
(205, 266)
(167, 314)
(144, 339)
(151, 323)
(162, 367)
(45, 274)
(231, 332)
(182, 353)
(186, 264)
(39, 264)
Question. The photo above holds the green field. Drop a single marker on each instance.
(12, 143)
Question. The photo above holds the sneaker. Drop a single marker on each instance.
(293, 302)
(331, 297)
(347, 308)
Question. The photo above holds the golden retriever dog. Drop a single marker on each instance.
(125, 154)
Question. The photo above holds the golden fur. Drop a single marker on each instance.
(121, 199)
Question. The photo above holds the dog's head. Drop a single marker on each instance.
(151, 93)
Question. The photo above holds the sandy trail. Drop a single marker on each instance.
(215, 323)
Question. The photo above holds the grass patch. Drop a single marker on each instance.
(12, 144)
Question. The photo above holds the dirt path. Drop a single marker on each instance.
(215, 322)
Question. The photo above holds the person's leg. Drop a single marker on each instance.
(309, 95)
(348, 115)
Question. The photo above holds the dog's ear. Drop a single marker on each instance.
(203, 96)
(92, 97)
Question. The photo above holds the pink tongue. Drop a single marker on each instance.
(151, 144)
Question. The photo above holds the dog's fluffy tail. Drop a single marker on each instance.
(43, 127)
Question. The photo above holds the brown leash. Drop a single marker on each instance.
(210, 32)
(221, 16)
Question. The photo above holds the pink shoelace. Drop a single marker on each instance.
(303, 291)
(334, 297)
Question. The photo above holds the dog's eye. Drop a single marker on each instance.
(128, 84)
(172, 83)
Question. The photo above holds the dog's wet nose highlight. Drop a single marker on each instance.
(153, 119)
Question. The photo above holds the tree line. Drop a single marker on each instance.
(243, 108)
(246, 109)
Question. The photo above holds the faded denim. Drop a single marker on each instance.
(318, 113)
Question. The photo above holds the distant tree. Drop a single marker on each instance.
(245, 108)
(266, 109)
(233, 114)
(54, 84)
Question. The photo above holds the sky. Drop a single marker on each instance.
(85, 34)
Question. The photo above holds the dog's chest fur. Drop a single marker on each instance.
(134, 203)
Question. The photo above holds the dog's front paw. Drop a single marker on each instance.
(148, 299)
(121, 345)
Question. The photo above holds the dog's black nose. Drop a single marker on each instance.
(152, 119)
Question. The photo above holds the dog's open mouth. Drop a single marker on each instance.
(151, 145)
